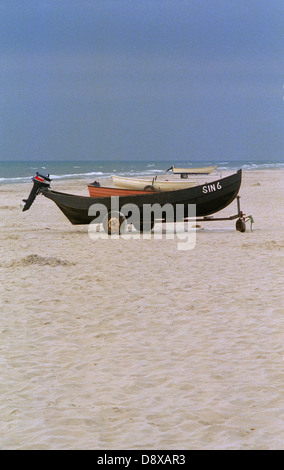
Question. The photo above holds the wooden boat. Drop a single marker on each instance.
(96, 191)
(209, 198)
(184, 172)
(154, 184)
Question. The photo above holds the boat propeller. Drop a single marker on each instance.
(40, 182)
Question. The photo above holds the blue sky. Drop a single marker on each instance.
(141, 80)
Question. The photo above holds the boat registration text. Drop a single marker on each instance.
(210, 188)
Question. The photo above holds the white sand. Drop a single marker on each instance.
(132, 344)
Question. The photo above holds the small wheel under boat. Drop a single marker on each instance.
(184, 176)
(149, 187)
(114, 223)
(241, 225)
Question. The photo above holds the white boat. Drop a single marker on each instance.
(150, 184)
(205, 170)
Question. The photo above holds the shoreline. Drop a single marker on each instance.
(85, 179)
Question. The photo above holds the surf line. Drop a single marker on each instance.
(108, 460)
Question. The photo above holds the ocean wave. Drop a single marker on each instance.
(25, 179)
(19, 179)
(233, 166)
(77, 175)
(262, 166)
(139, 173)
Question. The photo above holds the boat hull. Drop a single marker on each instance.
(206, 170)
(103, 191)
(157, 185)
(208, 198)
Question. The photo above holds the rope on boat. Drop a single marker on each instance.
(250, 217)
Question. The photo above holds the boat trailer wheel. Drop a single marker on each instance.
(241, 225)
(114, 223)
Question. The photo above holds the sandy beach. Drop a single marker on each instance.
(134, 344)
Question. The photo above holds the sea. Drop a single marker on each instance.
(22, 171)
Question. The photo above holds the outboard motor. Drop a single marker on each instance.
(40, 182)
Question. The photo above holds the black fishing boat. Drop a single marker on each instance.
(209, 198)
